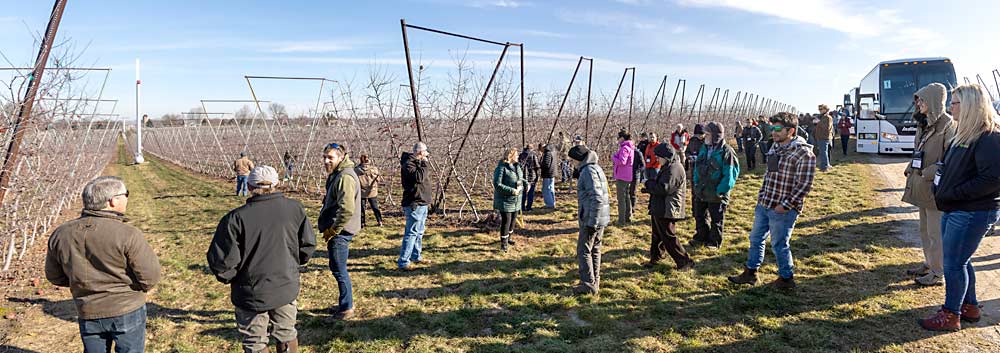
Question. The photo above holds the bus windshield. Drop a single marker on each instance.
(900, 82)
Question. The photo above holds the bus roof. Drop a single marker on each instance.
(898, 61)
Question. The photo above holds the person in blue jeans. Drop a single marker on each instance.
(242, 168)
(417, 195)
(791, 167)
(549, 170)
(340, 220)
(967, 189)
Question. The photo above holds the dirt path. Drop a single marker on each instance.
(986, 260)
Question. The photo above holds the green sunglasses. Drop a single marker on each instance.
(777, 128)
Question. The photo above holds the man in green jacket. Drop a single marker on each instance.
(340, 220)
(715, 173)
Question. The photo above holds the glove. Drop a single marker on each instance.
(329, 234)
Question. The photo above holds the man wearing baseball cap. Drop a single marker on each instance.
(264, 282)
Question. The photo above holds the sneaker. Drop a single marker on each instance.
(344, 315)
(919, 270)
(783, 283)
(943, 320)
(970, 313)
(930, 279)
(747, 277)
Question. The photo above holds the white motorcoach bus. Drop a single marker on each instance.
(883, 102)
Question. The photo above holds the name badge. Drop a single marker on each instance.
(939, 173)
(937, 179)
(917, 164)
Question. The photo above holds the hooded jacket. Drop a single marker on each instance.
(368, 175)
(550, 162)
(716, 168)
(667, 192)
(592, 194)
(416, 181)
(258, 248)
(508, 187)
(623, 160)
(341, 206)
(932, 140)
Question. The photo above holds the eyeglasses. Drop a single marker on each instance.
(777, 128)
(125, 194)
(955, 103)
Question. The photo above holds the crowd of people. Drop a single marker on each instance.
(257, 248)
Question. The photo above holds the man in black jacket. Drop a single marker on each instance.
(264, 282)
(528, 160)
(417, 195)
(550, 167)
(666, 207)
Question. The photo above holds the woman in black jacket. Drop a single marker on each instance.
(967, 190)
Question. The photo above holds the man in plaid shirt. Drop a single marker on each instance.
(791, 166)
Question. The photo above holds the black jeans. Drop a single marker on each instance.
(632, 187)
(751, 153)
(665, 240)
(709, 218)
(507, 223)
(844, 139)
(374, 205)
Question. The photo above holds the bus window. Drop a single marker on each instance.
(898, 87)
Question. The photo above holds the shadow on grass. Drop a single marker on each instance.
(65, 310)
(11, 349)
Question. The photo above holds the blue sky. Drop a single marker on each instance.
(802, 52)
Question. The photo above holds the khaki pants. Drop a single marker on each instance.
(253, 328)
(930, 239)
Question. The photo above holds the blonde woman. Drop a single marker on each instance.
(508, 186)
(967, 190)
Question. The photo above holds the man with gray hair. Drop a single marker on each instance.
(264, 282)
(417, 195)
(108, 266)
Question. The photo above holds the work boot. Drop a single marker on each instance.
(783, 283)
(343, 314)
(930, 279)
(970, 313)
(919, 270)
(288, 347)
(943, 320)
(749, 276)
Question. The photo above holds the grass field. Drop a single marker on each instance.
(852, 295)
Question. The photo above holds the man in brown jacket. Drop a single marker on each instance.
(823, 135)
(242, 168)
(108, 266)
(368, 176)
(935, 131)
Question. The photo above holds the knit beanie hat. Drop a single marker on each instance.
(664, 150)
(578, 153)
(699, 129)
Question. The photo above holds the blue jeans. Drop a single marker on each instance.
(961, 232)
(337, 249)
(549, 192)
(529, 198)
(241, 185)
(739, 144)
(413, 235)
(823, 154)
(128, 332)
(767, 222)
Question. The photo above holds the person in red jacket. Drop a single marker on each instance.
(844, 126)
(652, 163)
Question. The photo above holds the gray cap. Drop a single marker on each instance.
(263, 177)
(419, 147)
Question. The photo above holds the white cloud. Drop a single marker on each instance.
(611, 20)
(509, 4)
(545, 34)
(311, 47)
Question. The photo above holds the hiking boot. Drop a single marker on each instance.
(921, 270)
(504, 242)
(288, 347)
(344, 314)
(943, 320)
(783, 283)
(970, 313)
(510, 238)
(748, 276)
(930, 279)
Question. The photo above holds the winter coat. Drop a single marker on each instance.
(638, 161)
(530, 165)
(667, 192)
(368, 175)
(932, 140)
(341, 211)
(751, 135)
(594, 206)
(243, 166)
(970, 180)
(651, 161)
(258, 248)
(563, 148)
(508, 187)
(694, 146)
(824, 129)
(550, 162)
(715, 173)
(418, 189)
(107, 264)
(679, 140)
(641, 148)
(844, 126)
(623, 161)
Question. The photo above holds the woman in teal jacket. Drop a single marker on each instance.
(508, 187)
